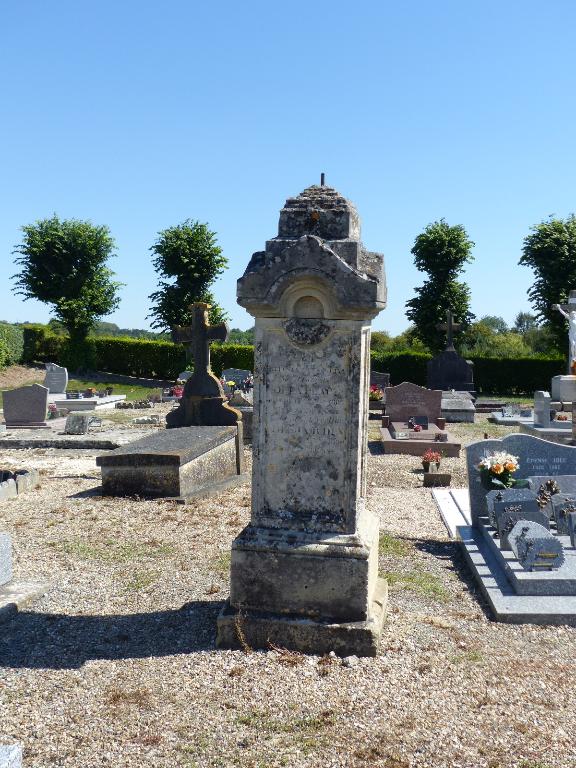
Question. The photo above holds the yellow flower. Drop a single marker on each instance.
(510, 466)
(497, 469)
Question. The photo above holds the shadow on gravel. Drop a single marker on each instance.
(452, 550)
(375, 447)
(55, 641)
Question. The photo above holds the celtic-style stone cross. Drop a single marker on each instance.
(198, 336)
(449, 326)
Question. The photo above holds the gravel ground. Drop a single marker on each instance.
(117, 665)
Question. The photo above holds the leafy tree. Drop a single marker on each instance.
(63, 264)
(498, 324)
(550, 250)
(525, 321)
(188, 261)
(441, 251)
(236, 336)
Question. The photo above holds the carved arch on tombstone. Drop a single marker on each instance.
(308, 297)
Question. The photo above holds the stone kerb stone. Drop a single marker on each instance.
(535, 457)
(407, 400)
(10, 756)
(56, 380)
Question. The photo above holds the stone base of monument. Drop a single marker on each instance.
(259, 629)
(416, 443)
(557, 432)
(458, 409)
(308, 592)
(28, 425)
(564, 389)
(175, 463)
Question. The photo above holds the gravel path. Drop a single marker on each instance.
(117, 665)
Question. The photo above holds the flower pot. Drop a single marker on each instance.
(426, 466)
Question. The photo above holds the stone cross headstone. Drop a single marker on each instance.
(25, 407)
(308, 558)
(542, 403)
(202, 402)
(536, 457)
(449, 326)
(56, 379)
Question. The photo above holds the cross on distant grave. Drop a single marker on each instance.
(198, 335)
(449, 326)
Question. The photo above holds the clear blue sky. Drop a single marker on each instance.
(139, 114)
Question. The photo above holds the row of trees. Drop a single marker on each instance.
(65, 264)
(442, 252)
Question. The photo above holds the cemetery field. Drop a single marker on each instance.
(117, 664)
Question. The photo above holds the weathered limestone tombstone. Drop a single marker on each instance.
(542, 402)
(448, 370)
(10, 756)
(409, 406)
(304, 572)
(78, 423)
(203, 402)
(56, 379)
(25, 407)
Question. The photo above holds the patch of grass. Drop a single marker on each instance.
(221, 563)
(140, 580)
(390, 545)
(132, 391)
(111, 551)
(264, 722)
(422, 582)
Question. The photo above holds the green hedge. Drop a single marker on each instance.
(164, 360)
(12, 339)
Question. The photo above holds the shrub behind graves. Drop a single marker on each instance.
(402, 366)
(12, 337)
(515, 376)
(41, 345)
(139, 357)
(224, 356)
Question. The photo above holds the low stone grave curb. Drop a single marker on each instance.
(23, 480)
(17, 595)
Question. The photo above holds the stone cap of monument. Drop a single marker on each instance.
(319, 241)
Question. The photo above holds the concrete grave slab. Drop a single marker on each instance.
(176, 463)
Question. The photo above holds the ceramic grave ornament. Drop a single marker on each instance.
(304, 572)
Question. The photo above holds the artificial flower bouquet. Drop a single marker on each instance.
(496, 471)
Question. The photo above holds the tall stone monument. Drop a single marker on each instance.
(564, 387)
(304, 572)
(203, 403)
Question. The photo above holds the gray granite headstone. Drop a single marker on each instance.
(25, 406)
(508, 513)
(407, 400)
(78, 423)
(5, 558)
(536, 457)
(535, 547)
(380, 380)
(562, 507)
(542, 401)
(56, 379)
(10, 756)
